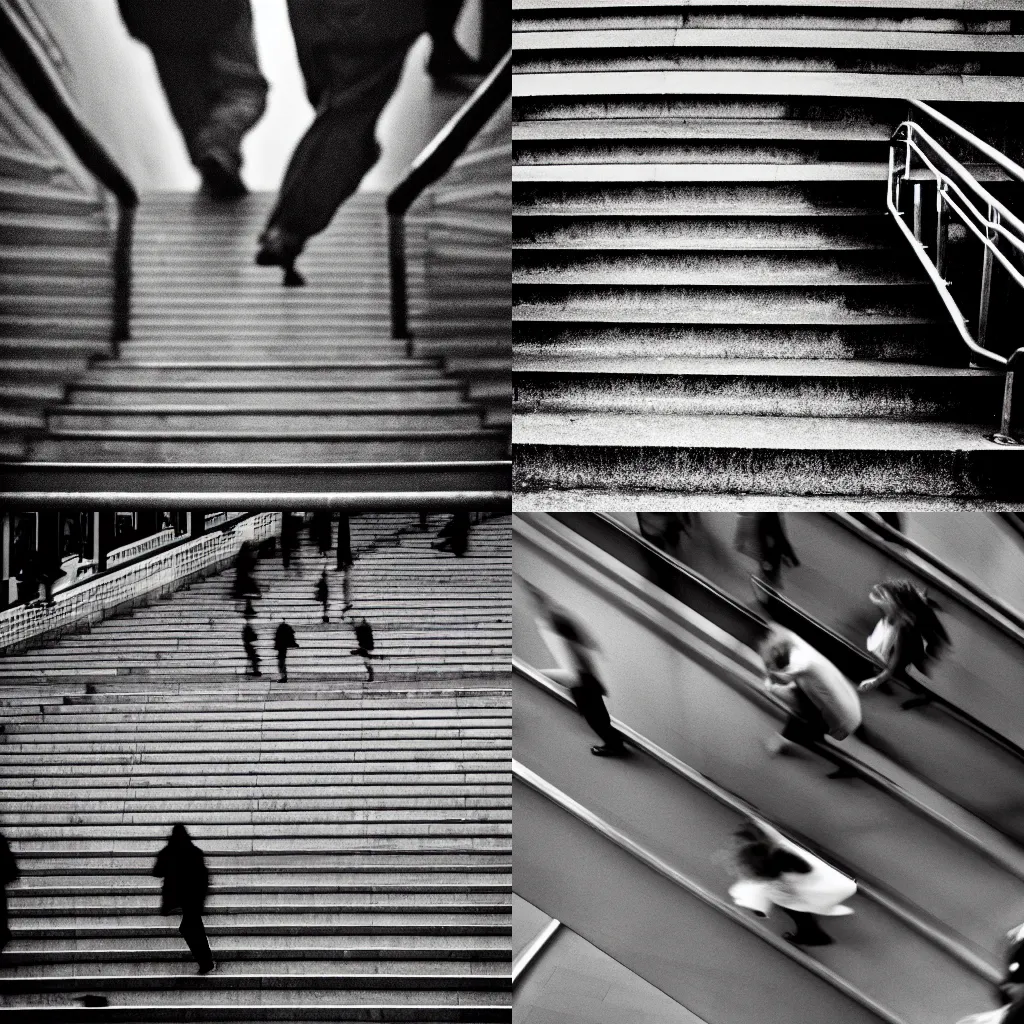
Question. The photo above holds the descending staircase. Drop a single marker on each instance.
(434, 616)
(708, 297)
(358, 838)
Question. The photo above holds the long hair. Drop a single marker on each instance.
(912, 608)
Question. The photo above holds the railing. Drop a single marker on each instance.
(435, 161)
(960, 197)
(47, 91)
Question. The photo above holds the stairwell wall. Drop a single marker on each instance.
(118, 592)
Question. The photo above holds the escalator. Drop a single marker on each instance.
(937, 890)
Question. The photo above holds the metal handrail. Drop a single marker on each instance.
(961, 195)
(434, 162)
(48, 93)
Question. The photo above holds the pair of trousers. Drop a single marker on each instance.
(590, 703)
(193, 932)
(807, 927)
(216, 91)
(254, 658)
(349, 90)
(282, 662)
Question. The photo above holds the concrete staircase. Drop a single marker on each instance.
(707, 294)
(359, 839)
(434, 617)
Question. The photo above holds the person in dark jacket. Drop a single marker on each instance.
(186, 885)
(245, 563)
(284, 641)
(364, 640)
(454, 535)
(205, 54)
(323, 594)
(249, 638)
(322, 531)
(762, 536)
(449, 64)
(289, 537)
(344, 542)
(8, 874)
(352, 55)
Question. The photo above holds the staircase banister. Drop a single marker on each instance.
(1012, 168)
(446, 147)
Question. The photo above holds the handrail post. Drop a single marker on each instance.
(986, 278)
(123, 275)
(941, 230)
(917, 210)
(399, 280)
(1011, 423)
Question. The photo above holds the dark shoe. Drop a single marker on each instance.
(207, 968)
(279, 248)
(915, 702)
(842, 773)
(220, 175)
(808, 940)
(606, 751)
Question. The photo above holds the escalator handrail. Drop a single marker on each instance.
(747, 688)
(895, 537)
(735, 803)
(652, 861)
(48, 92)
(434, 162)
(528, 957)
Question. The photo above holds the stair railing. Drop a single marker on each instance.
(434, 162)
(961, 198)
(46, 89)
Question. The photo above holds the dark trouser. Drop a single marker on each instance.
(216, 92)
(282, 661)
(590, 702)
(344, 541)
(810, 732)
(349, 91)
(441, 18)
(194, 933)
(807, 927)
(324, 603)
(5, 930)
(254, 658)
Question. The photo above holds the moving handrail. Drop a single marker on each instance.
(46, 90)
(434, 162)
(960, 195)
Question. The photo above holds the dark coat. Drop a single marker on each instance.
(186, 881)
(249, 634)
(322, 591)
(284, 638)
(355, 24)
(180, 23)
(364, 635)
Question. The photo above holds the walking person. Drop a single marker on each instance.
(820, 700)
(248, 612)
(351, 55)
(284, 641)
(8, 873)
(365, 643)
(449, 64)
(775, 872)
(245, 564)
(346, 589)
(454, 535)
(762, 536)
(321, 531)
(289, 538)
(908, 635)
(205, 55)
(344, 542)
(588, 692)
(323, 594)
(664, 529)
(249, 638)
(186, 885)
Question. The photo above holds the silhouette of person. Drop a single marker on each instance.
(323, 594)
(449, 64)
(664, 529)
(762, 536)
(245, 563)
(351, 55)
(28, 579)
(289, 538)
(321, 531)
(455, 535)
(249, 612)
(284, 641)
(344, 542)
(249, 638)
(346, 589)
(364, 640)
(205, 55)
(8, 873)
(51, 570)
(186, 885)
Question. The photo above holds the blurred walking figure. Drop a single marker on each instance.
(205, 54)
(344, 542)
(289, 538)
(245, 563)
(586, 688)
(186, 885)
(364, 640)
(284, 641)
(321, 531)
(346, 589)
(8, 873)
(820, 700)
(775, 872)
(352, 55)
(454, 535)
(762, 536)
(909, 634)
(249, 612)
(323, 594)
(50, 570)
(664, 529)
(449, 64)
(249, 638)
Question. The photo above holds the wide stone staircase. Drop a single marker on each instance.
(358, 838)
(708, 295)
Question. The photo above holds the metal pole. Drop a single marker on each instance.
(917, 211)
(399, 283)
(941, 231)
(986, 279)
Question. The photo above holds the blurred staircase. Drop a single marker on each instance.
(708, 297)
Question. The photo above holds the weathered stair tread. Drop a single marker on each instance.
(597, 364)
(663, 128)
(939, 5)
(638, 172)
(750, 432)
